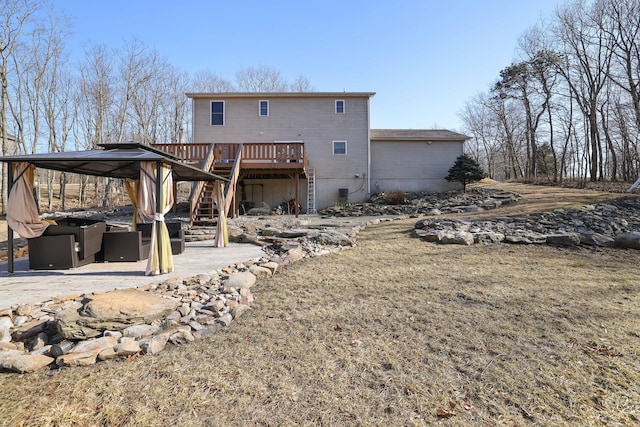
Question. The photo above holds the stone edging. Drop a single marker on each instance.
(81, 331)
(67, 331)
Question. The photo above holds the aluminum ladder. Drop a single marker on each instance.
(311, 191)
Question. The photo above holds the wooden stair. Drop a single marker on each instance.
(270, 159)
(203, 209)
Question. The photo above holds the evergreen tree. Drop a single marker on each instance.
(465, 171)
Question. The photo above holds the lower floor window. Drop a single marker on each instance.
(339, 147)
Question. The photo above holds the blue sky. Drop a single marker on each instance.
(423, 58)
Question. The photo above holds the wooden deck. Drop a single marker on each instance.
(257, 158)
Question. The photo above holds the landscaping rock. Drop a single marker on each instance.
(596, 239)
(225, 319)
(24, 363)
(108, 354)
(86, 358)
(4, 346)
(140, 331)
(68, 326)
(8, 354)
(155, 344)
(630, 240)
(127, 349)
(294, 255)
(182, 337)
(615, 223)
(239, 310)
(94, 344)
(5, 328)
(199, 306)
(563, 239)
(126, 306)
(457, 238)
(241, 280)
(260, 272)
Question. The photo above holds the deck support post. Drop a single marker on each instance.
(297, 205)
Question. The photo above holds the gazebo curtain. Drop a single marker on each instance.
(133, 187)
(160, 258)
(222, 236)
(22, 212)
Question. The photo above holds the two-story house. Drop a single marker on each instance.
(316, 147)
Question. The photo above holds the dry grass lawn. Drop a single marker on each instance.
(395, 331)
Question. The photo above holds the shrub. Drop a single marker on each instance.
(465, 171)
(395, 197)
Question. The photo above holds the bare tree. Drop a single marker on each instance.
(59, 113)
(301, 84)
(261, 79)
(15, 15)
(587, 54)
(541, 58)
(575, 93)
(55, 85)
(208, 82)
(173, 117)
(96, 97)
(621, 22)
(479, 122)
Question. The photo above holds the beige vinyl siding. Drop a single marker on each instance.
(412, 165)
(272, 192)
(309, 119)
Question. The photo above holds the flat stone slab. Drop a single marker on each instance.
(128, 306)
(113, 310)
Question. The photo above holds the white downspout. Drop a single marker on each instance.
(368, 146)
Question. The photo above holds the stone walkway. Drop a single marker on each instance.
(31, 286)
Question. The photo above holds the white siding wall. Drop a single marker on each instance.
(311, 120)
(412, 165)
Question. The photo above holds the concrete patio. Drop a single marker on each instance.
(26, 286)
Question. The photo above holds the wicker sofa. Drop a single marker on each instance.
(176, 235)
(122, 245)
(68, 243)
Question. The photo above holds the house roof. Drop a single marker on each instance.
(113, 160)
(433, 135)
(281, 95)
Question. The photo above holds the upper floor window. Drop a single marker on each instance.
(339, 106)
(264, 108)
(217, 113)
(340, 147)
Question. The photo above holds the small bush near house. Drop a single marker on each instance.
(395, 197)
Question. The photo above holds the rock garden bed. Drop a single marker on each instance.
(81, 330)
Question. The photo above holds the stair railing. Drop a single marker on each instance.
(196, 191)
(230, 188)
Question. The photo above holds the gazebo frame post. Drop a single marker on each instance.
(9, 229)
(159, 182)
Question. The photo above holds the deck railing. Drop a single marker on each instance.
(255, 155)
(271, 155)
(189, 153)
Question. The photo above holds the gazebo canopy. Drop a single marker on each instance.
(114, 161)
